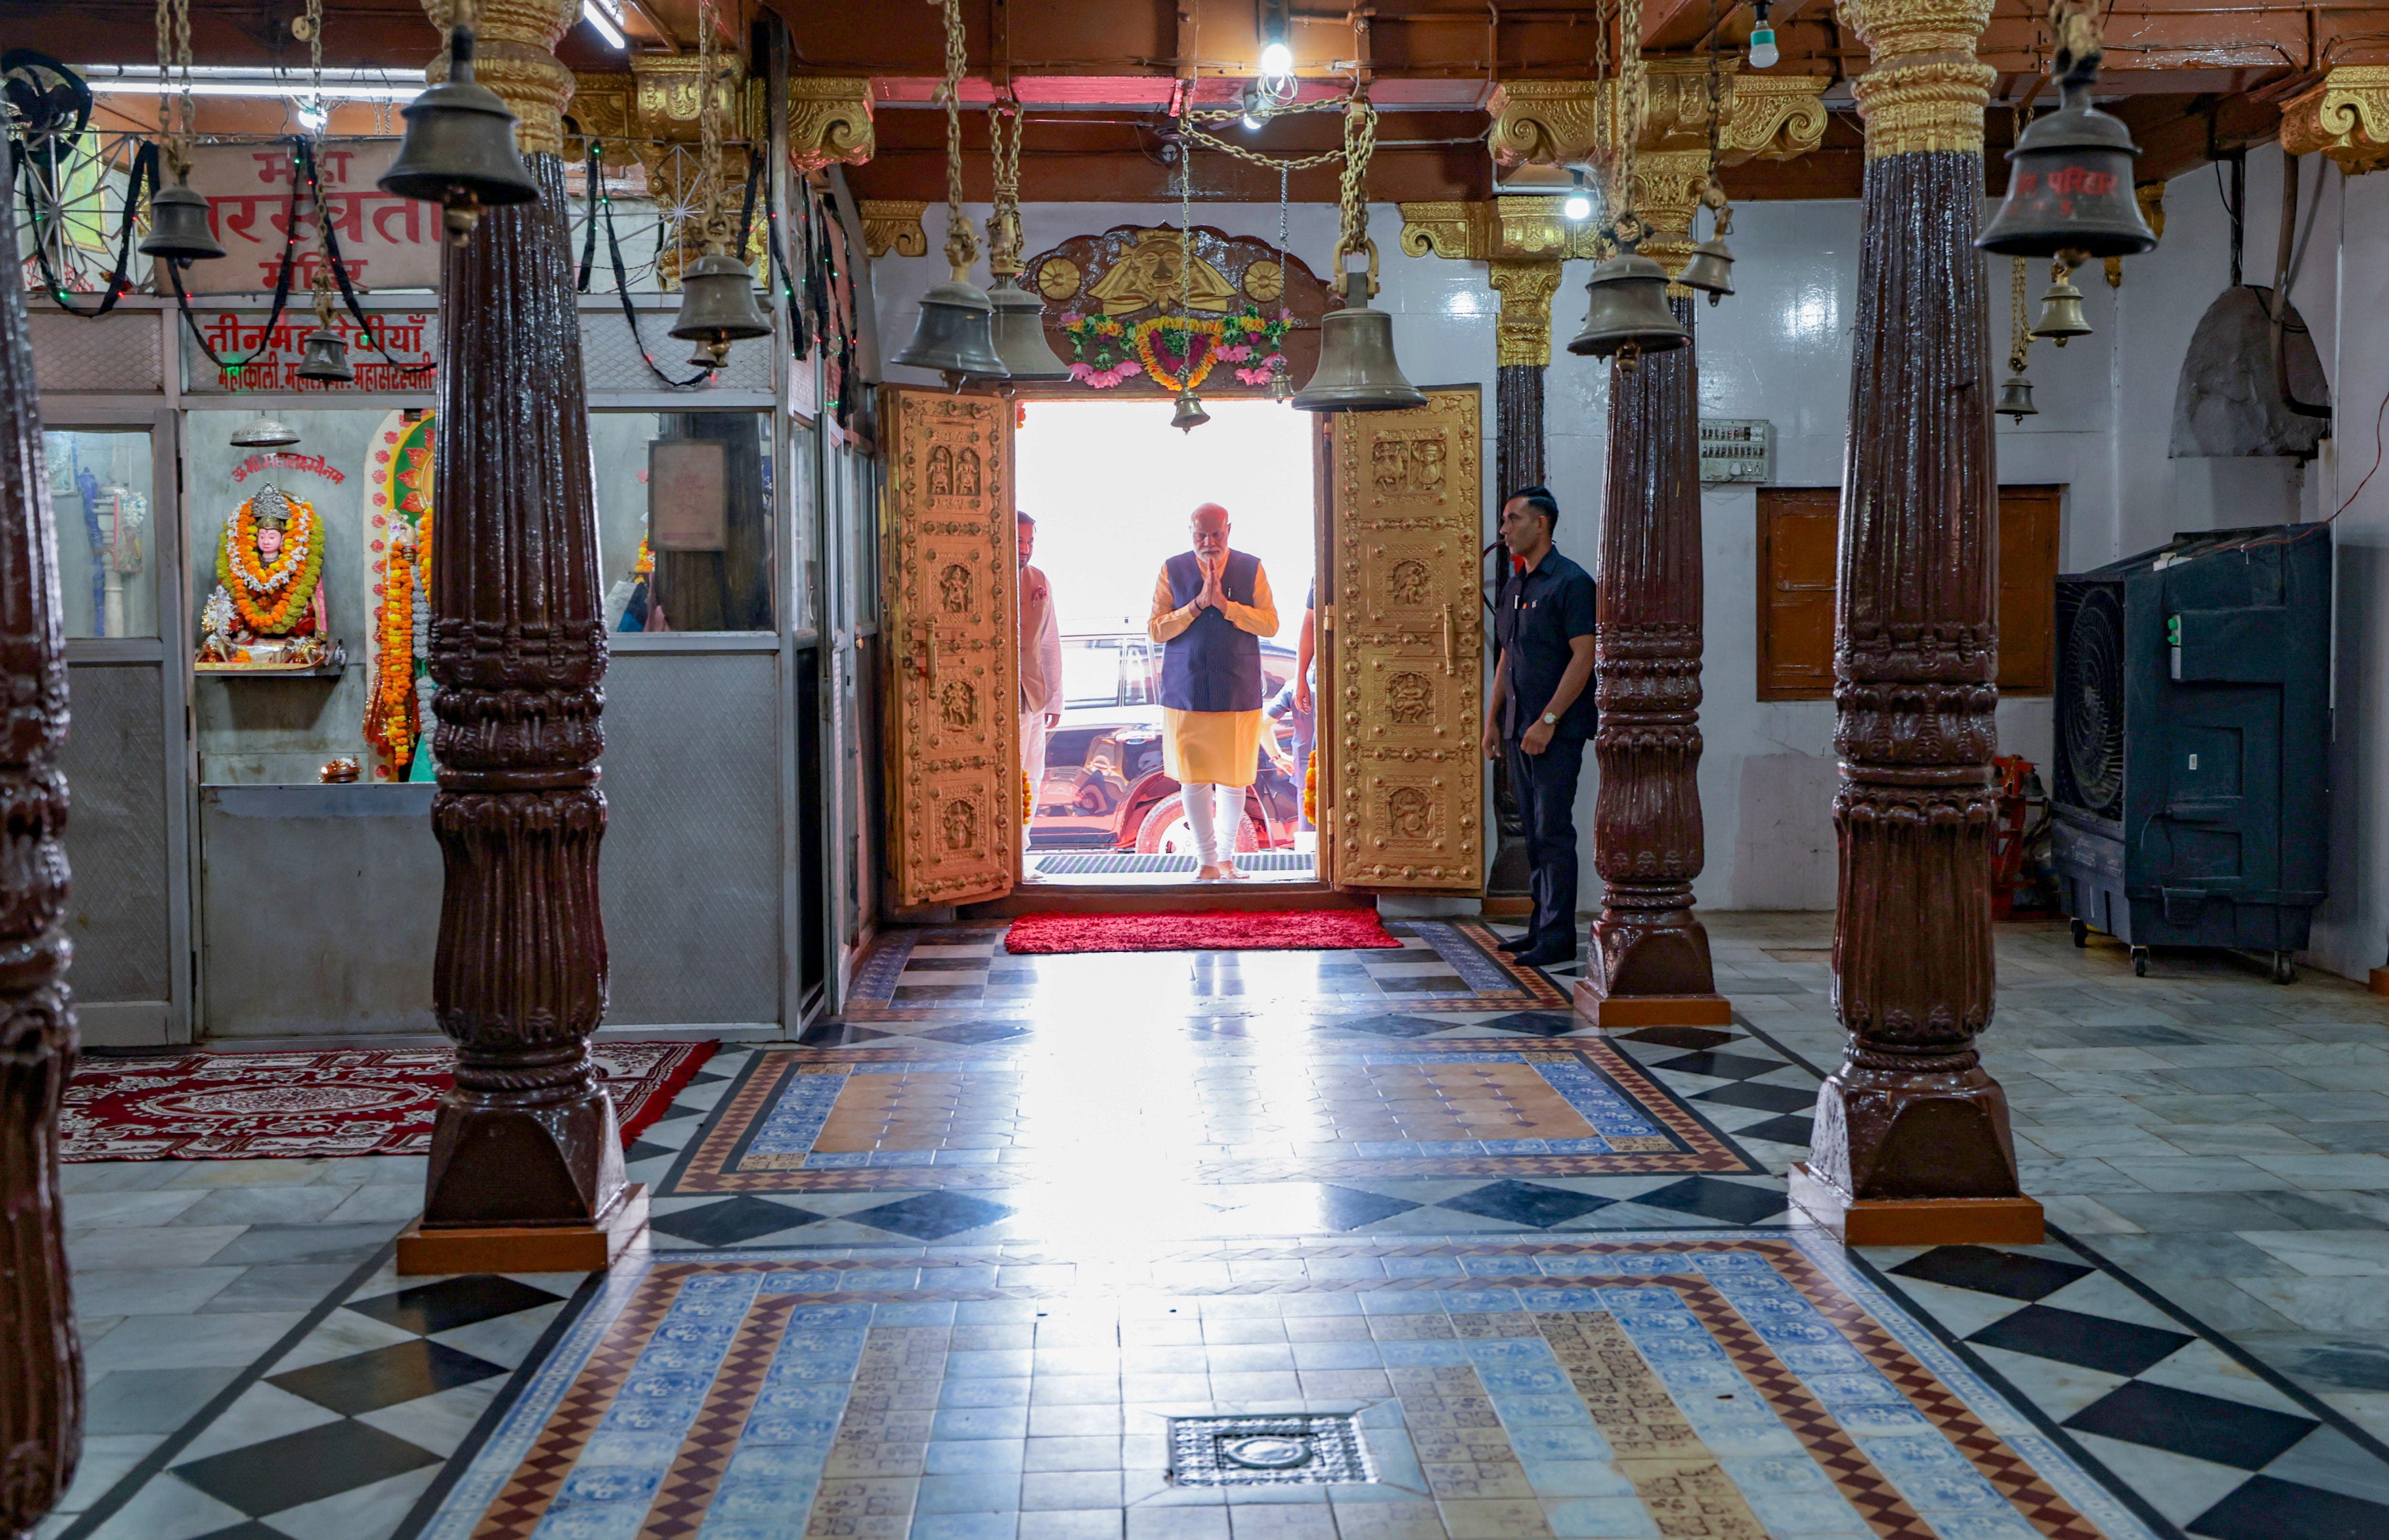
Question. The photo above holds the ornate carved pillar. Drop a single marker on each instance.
(1649, 957)
(41, 1357)
(1911, 1141)
(526, 1159)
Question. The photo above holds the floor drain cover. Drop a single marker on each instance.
(1301, 1448)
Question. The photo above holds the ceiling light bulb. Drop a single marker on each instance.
(1762, 48)
(1252, 124)
(313, 115)
(1277, 59)
(1578, 205)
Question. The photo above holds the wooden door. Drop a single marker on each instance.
(1797, 530)
(1407, 640)
(953, 762)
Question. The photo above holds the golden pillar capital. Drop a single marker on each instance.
(1524, 333)
(1544, 122)
(664, 98)
(2347, 118)
(514, 55)
(1764, 117)
(829, 121)
(893, 224)
(1668, 186)
(1926, 89)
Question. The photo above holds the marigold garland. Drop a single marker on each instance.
(1311, 792)
(294, 570)
(390, 721)
(1105, 351)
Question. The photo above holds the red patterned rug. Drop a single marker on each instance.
(1214, 930)
(312, 1106)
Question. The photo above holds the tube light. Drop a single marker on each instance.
(143, 79)
(592, 13)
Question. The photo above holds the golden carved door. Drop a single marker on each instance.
(952, 759)
(1408, 638)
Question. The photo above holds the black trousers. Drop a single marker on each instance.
(1545, 784)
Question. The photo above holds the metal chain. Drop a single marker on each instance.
(2021, 343)
(1360, 144)
(316, 60)
(709, 127)
(1185, 228)
(1717, 96)
(1284, 175)
(1003, 233)
(961, 245)
(1632, 105)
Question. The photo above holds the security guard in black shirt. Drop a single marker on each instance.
(1541, 711)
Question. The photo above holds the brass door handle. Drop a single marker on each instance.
(1450, 661)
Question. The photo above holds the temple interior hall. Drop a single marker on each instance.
(1194, 770)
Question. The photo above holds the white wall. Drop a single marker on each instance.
(1780, 350)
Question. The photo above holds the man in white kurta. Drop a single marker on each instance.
(1041, 667)
(1211, 607)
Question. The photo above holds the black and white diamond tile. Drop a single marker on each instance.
(2213, 1443)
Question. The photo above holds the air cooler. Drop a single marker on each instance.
(2192, 723)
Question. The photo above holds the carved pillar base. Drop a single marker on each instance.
(1649, 957)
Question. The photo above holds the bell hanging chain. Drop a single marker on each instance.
(1004, 232)
(1709, 184)
(708, 128)
(1360, 144)
(315, 66)
(2020, 342)
(961, 246)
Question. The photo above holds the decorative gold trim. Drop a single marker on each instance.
(515, 55)
(829, 123)
(1528, 229)
(1766, 116)
(1926, 89)
(2346, 117)
(1524, 332)
(664, 92)
(1543, 123)
(894, 225)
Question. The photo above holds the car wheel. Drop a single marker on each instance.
(1167, 832)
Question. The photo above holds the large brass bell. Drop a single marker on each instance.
(178, 224)
(1017, 331)
(2070, 187)
(325, 357)
(1190, 414)
(1629, 315)
(717, 303)
(1357, 370)
(2061, 312)
(263, 432)
(459, 150)
(953, 334)
(2015, 399)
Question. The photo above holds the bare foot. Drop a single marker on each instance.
(1228, 869)
(1207, 873)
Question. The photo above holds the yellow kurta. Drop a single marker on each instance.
(1221, 747)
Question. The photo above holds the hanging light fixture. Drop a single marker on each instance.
(2061, 308)
(264, 432)
(459, 151)
(954, 334)
(1277, 55)
(1357, 368)
(717, 292)
(2015, 394)
(2070, 174)
(1017, 318)
(178, 217)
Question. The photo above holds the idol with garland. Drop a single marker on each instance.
(268, 610)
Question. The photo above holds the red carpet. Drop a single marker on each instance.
(312, 1106)
(1212, 930)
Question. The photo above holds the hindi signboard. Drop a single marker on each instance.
(264, 360)
(387, 242)
(1737, 449)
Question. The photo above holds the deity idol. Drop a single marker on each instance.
(268, 609)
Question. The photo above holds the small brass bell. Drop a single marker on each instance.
(326, 356)
(708, 356)
(2070, 186)
(1629, 315)
(2016, 398)
(263, 432)
(459, 151)
(1016, 333)
(954, 334)
(1280, 382)
(1190, 414)
(178, 224)
(1709, 270)
(2061, 312)
(1356, 369)
(717, 302)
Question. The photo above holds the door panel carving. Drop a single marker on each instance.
(953, 759)
(1405, 509)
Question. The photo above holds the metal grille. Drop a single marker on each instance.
(117, 354)
(115, 766)
(1111, 863)
(691, 866)
(1291, 1449)
(611, 359)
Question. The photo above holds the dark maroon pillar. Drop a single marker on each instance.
(527, 1138)
(1649, 957)
(41, 1357)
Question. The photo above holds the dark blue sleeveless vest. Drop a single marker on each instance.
(1212, 665)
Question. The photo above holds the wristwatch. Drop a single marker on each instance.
(1550, 721)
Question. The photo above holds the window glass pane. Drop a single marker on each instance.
(685, 531)
(99, 493)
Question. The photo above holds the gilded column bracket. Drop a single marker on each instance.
(1911, 1142)
(893, 224)
(829, 121)
(2346, 117)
